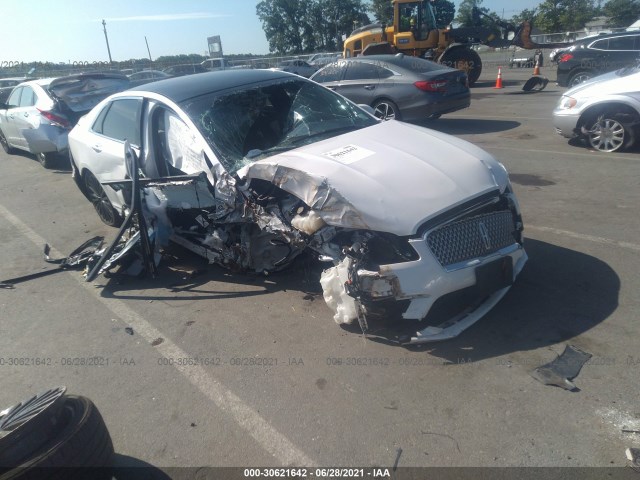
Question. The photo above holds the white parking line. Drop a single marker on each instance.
(496, 117)
(274, 442)
(582, 236)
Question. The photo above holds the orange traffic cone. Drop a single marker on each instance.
(499, 79)
(536, 69)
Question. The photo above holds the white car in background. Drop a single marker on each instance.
(604, 111)
(39, 114)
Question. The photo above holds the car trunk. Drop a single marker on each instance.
(76, 95)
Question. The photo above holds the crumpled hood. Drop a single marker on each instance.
(390, 177)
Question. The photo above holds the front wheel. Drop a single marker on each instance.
(386, 110)
(97, 196)
(466, 60)
(611, 133)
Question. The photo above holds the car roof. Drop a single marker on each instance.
(182, 88)
(42, 82)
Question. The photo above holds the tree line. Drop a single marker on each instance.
(305, 26)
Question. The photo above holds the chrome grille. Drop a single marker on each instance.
(472, 237)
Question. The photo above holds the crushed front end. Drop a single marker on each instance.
(461, 263)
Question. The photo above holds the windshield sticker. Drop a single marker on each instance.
(349, 154)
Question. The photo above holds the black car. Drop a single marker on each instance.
(603, 54)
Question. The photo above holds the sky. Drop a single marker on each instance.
(71, 30)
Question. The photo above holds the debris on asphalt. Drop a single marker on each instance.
(626, 430)
(535, 84)
(443, 435)
(76, 260)
(157, 342)
(564, 368)
(395, 464)
(129, 330)
(633, 455)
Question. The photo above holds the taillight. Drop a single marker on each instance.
(55, 119)
(565, 57)
(431, 85)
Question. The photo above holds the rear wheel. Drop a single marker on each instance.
(97, 196)
(385, 109)
(466, 60)
(47, 159)
(5, 145)
(579, 77)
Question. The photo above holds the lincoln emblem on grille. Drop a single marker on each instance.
(484, 234)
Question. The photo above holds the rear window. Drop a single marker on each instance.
(621, 43)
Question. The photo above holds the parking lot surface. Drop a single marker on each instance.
(223, 369)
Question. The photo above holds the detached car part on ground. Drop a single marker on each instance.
(54, 436)
(604, 111)
(38, 114)
(250, 168)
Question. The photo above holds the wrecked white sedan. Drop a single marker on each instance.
(250, 168)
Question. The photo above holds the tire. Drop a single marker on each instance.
(464, 59)
(578, 77)
(385, 109)
(5, 144)
(82, 448)
(612, 132)
(47, 159)
(97, 196)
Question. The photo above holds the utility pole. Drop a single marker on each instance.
(104, 25)
(145, 41)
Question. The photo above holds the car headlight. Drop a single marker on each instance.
(567, 102)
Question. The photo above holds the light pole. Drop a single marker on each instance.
(104, 26)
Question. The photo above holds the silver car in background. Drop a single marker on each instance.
(398, 86)
(39, 114)
(604, 111)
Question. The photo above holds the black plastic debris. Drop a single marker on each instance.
(535, 84)
(129, 330)
(76, 260)
(633, 454)
(563, 368)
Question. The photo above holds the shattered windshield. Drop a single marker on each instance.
(248, 124)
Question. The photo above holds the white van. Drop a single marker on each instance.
(215, 64)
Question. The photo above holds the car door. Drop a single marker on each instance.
(118, 121)
(25, 117)
(360, 81)
(8, 122)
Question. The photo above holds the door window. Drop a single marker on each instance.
(621, 43)
(14, 99)
(362, 71)
(28, 98)
(120, 120)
